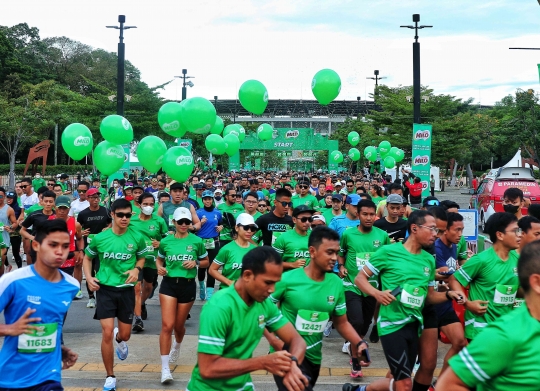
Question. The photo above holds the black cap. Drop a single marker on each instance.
(302, 209)
(138, 187)
(177, 186)
(338, 197)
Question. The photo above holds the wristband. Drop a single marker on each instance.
(340, 264)
(448, 297)
(293, 358)
(138, 268)
(361, 342)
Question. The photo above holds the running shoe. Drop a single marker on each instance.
(328, 329)
(209, 293)
(138, 326)
(79, 295)
(110, 384)
(345, 348)
(144, 313)
(415, 368)
(121, 347)
(91, 303)
(202, 290)
(350, 387)
(374, 335)
(173, 354)
(356, 374)
(166, 376)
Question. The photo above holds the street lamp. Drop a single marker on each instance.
(376, 78)
(184, 84)
(121, 60)
(416, 67)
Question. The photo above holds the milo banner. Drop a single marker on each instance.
(421, 154)
(184, 143)
(126, 165)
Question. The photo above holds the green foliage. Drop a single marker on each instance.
(72, 169)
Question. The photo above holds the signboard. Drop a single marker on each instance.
(421, 155)
(186, 143)
(470, 223)
(126, 166)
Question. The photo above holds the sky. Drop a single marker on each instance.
(283, 43)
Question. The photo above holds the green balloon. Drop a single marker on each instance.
(265, 132)
(170, 119)
(198, 115)
(389, 162)
(77, 141)
(232, 129)
(399, 155)
(336, 156)
(150, 152)
(116, 129)
(109, 157)
(354, 138)
(384, 148)
(354, 154)
(253, 96)
(232, 144)
(214, 144)
(370, 153)
(393, 151)
(326, 85)
(218, 126)
(242, 132)
(178, 163)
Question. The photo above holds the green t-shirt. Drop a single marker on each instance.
(199, 200)
(266, 193)
(308, 200)
(230, 258)
(63, 185)
(292, 246)
(376, 200)
(232, 329)
(117, 255)
(322, 204)
(33, 208)
(309, 305)
(233, 209)
(489, 279)
(462, 249)
(175, 252)
(357, 248)
(329, 215)
(502, 357)
(414, 273)
(153, 228)
(37, 183)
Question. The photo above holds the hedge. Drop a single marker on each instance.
(51, 170)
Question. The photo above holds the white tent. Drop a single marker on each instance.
(516, 161)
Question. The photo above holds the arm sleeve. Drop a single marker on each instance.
(91, 249)
(280, 289)
(275, 320)
(343, 245)
(279, 245)
(163, 229)
(469, 270)
(377, 262)
(6, 292)
(142, 248)
(341, 307)
(221, 256)
(28, 221)
(213, 329)
(161, 250)
(201, 250)
(475, 364)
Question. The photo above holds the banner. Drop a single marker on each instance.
(186, 143)
(421, 155)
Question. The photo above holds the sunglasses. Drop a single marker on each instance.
(51, 184)
(285, 204)
(304, 219)
(81, 191)
(303, 187)
(183, 222)
(121, 215)
(238, 195)
(251, 228)
(433, 203)
(262, 205)
(23, 186)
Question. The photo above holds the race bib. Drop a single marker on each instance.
(1, 227)
(275, 235)
(361, 260)
(518, 303)
(209, 244)
(311, 322)
(90, 238)
(412, 297)
(505, 294)
(171, 224)
(42, 340)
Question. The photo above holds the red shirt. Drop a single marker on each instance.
(415, 189)
(72, 230)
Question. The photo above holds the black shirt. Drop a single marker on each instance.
(95, 220)
(396, 230)
(34, 219)
(269, 223)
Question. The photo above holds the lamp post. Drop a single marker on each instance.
(184, 83)
(376, 78)
(121, 61)
(416, 67)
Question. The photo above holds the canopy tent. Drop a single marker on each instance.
(516, 161)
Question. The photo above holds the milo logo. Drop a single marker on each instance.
(125, 124)
(425, 185)
(184, 160)
(313, 83)
(314, 316)
(242, 130)
(82, 141)
(159, 161)
(415, 292)
(368, 155)
(421, 160)
(422, 135)
(260, 129)
(113, 151)
(292, 134)
(184, 144)
(355, 139)
(508, 290)
(205, 129)
(170, 127)
(265, 97)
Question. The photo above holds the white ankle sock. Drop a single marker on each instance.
(177, 345)
(165, 362)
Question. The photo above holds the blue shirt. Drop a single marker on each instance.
(23, 289)
(445, 257)
(208, 229)
(341, 223)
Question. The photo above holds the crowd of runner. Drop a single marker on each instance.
(288, 256)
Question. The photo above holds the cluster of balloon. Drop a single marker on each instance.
(109, 155)
(354, 154)
(265, 132)
(326, 85)
(336, 156)
(77, 141)
(389, 155)
(253, 96)
(354, 138)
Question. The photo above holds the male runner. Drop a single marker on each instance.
(395, 226)
(93, 220)
(407, 275)
(37, 217)
(166, 210)
(309, 297)
(229, 206)
(251, 201)
(276, 222)
(349, 219)
(357, 247)
(504, 356)
(490, 275)
(35, 300)
(513, 201)
(335, 210)
(530, 231)
(292, 245)
(305, 197)
(232, 324)
(80, 204)
(121, 253)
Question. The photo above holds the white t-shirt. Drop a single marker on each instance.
(28, 201)
(77, 206)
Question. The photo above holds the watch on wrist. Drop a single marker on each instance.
(448, 297)
(293, 358)
(138, 268)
